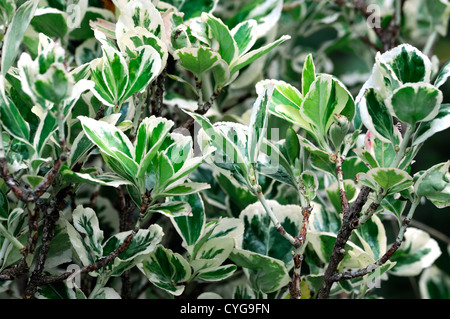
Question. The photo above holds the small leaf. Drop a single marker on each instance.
(414, 103)
(258, 124)
(245, 35)
(266, 274)
(86, 222)
(171, 209)
(166, 270)
(417, 252)
(14, 35)
(197, 60)
(308, 74)
(427, 129)
(443, 75)
(391, 180)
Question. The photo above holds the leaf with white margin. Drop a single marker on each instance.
(408, 63)
(427, 129)
(143, 69)
(434, 284)
(14, 34)
(142, 244)
(285, 102)
(105, 179)
(323, 220)
(166, 270)
(150, 135)
(258, 123)
(376, 116)
(417, 252)
(265, 274)
(244, 60)
(197, 60)
(114, 72)
(323, 243)
(218, 31)
(190, 228)
(139, 13)
(308, 74)
(416, 102)
(443, 75)
(11, 118)
(80, 249)
(373, 237)
(245, 35)
(218, 274)
(107, 137)
(261, 236)
(139, 36)
(212, 254)
(86, 223)
(434, 184)
(334, 195)
(107, 293)
(326, 97)
(51, 21)
(231, 153)
(391, 180)
(171, 209)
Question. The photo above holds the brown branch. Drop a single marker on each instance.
(343, 235)
(202, 110)
(381, 261)
(294, 285)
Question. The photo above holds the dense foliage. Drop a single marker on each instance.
(220, 149)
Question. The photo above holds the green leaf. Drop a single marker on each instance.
(308, 74)
(373, 237)
(86, 223)
(261, 236)
(334, 194)
(196, 8)
(227, 47)
(285, 102)
(292, 145)
(109, 139)
(434, 284)
(390, 180)
(4, 207)
(212, 254)
(142, 244)
(413, 103)
(80, 249)
(171, 209)
(190, 227)
(253, 55)
(258, 124)
(266, 274)
(11, 118)
(50, 21)
(376, 117)
(197, 60)
(219, 274)
(150, 135)
(114, 70)
(14, 35)
(443, 75)
(54, 85)
(417, 252)
(105, 179)
(143, 69)
(408, 63)
(324, 220)
(434, 184)
(427, 129)
(166, 270)
(245, 35)
(325, 98)
(183, 189)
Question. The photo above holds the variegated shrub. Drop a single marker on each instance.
(198, 149)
